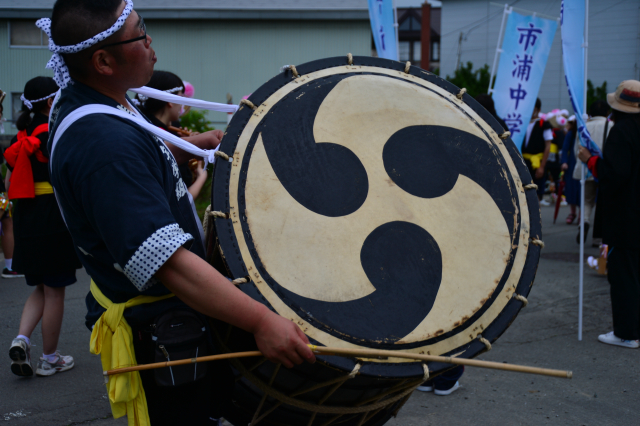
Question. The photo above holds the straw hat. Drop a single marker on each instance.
(626, 98)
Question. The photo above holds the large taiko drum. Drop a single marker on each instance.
(378, 206)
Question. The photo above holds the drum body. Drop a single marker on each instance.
(376, 207)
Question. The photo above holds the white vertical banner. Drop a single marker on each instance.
(525, 50)
(382, 16)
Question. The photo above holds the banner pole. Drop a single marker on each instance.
(396, 28)
(582, 177)
(498, 49)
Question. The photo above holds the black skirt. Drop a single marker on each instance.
(43, 245)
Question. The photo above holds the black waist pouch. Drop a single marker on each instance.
(180, 334)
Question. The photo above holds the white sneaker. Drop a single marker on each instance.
(20, 354)
(426, 387)
(62, 363)
(545, 203)
(448, 391)
(612, 339)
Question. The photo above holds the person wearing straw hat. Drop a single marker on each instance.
(134, 227)
(618, 171)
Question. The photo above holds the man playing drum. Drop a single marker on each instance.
(131, 218)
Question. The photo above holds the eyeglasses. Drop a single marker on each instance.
(141, 27)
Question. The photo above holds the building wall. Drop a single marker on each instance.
(217, 57)
(614, 41)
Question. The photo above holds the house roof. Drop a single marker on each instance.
(214, 9)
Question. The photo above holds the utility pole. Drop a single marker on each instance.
(459, 51)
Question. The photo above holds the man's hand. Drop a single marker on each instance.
(201, 287)
(206, 140)
(539, 172)
(564, 167)
(584, 154)
(282, 341)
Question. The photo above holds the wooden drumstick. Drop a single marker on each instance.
(359, 353)
(183, 132)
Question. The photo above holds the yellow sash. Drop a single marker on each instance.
(113, 340)
(42, 188)
(534, 159)
(554, 149)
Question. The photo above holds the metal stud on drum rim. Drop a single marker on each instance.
(323, 247)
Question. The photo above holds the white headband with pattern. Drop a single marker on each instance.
(56, 63)
(29, 104)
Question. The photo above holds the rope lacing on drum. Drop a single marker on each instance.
(368, 407)
(531, 186)
(537, 242)
(221, 215)
(486, 343)
(222, 155)
(349, 58)
(407, 67)
(240, 281)
(461, 93)
(521, 298)
(505, 135)
(293, 69)
(248, 103)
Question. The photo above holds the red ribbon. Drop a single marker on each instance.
(19, 156)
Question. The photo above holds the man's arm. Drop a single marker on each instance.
(204, 289)
(206, 140)
(545, 157)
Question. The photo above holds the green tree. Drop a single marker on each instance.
(595, 93)
(476, 82)
(196, 121)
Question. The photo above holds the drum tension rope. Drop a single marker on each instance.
(461, 93)
(222, 155)
(349, 58)
(521, 298)
(375, 403)
(407, 67)
(248, 103)
(505, 135)
(485, 341)
(531, 186)
(294, 71)
(537, 242)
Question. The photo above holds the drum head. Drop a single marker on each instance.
(376, 208)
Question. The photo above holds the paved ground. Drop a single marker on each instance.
(604, 390)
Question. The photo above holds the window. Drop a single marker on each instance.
(417, 52)
(24, 33)
(435, 51)
(410, 24)
(405, 51)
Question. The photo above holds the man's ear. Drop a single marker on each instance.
(103, 62)
(50, 102)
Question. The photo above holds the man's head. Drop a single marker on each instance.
(599, 108)
(536, 110)
(123, 65)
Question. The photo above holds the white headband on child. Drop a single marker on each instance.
(56, 63)
(29, 104)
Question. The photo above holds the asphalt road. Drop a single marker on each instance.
(604, 390)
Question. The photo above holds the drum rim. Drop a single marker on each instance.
(221, 202)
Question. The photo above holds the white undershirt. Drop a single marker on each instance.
(547, 135)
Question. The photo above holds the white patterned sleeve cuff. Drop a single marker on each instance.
(153, 253)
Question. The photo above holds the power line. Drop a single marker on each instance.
(479, 21)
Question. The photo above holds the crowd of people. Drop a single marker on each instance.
(556, 157)
(123, 209)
